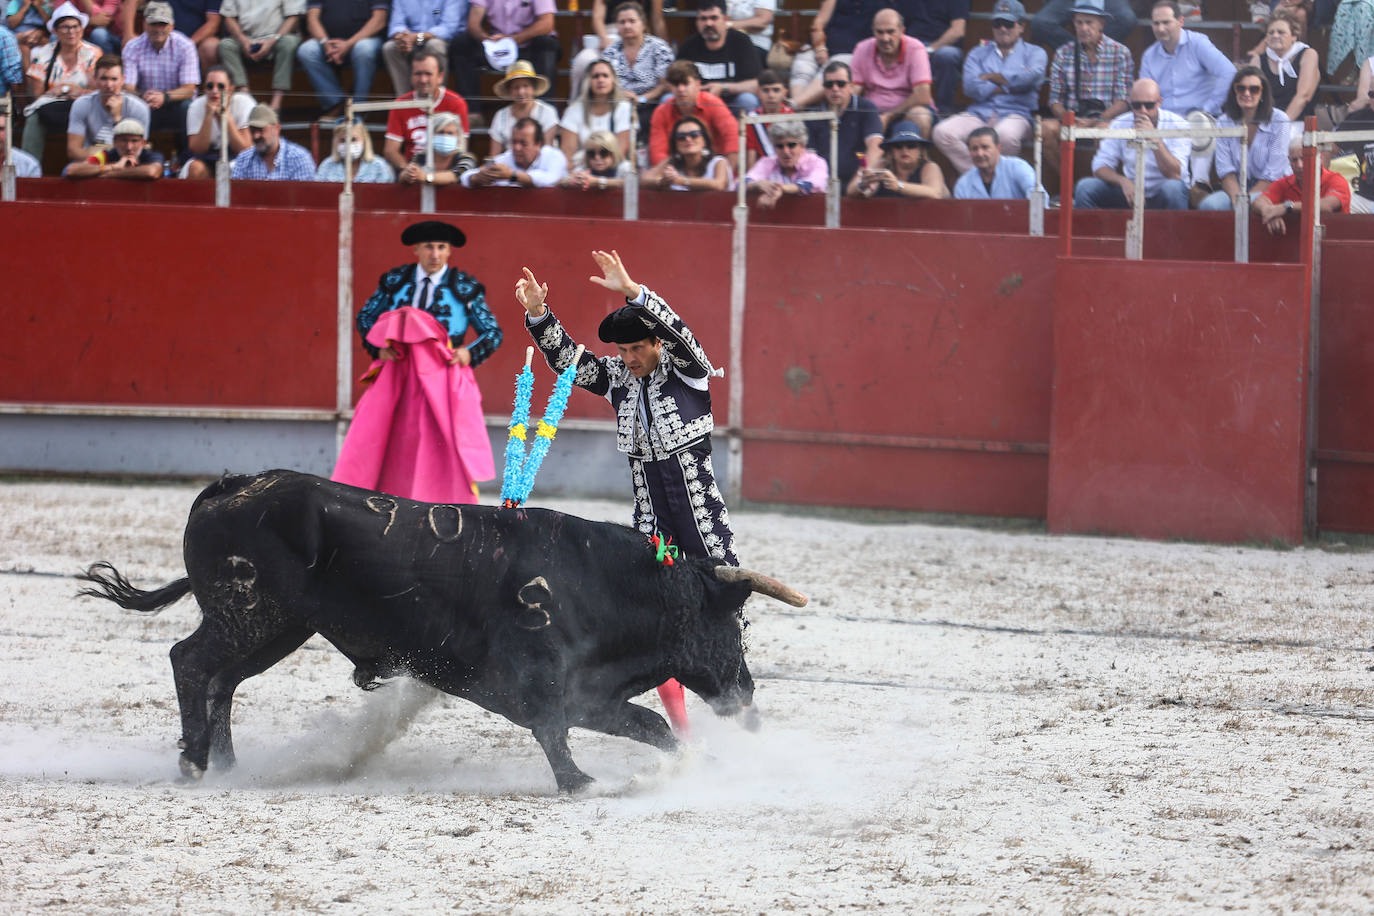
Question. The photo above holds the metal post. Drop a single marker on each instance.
(738, 260)
(7, 187)
(222, 166)
(1241, 205)
(630, 192)
(832, 185)
(1311, 258)
(1066, 151)
(1037, 198)
(427, 188)
(1135, 227)
(343, 374)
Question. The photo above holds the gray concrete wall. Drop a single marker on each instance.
(582, 462)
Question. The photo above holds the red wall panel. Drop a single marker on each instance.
(1179, 407)
(927, 336)
(170, 306)
(1345, 401)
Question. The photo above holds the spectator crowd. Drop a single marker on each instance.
(110, 73)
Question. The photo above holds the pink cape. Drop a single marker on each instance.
(418, 431)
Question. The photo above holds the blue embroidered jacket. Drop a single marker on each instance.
(678, 400)
(459, 302)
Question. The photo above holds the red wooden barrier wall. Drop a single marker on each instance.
(1179, 408)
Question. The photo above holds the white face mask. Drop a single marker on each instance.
(444, 144)
(353, 150)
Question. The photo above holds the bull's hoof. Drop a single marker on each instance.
(750, 719)
(181, 744)
(572, 783)
(190, 770)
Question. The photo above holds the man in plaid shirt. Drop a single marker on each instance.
(162, 67)
(1090, 76)
(271, 157)
(11, 62)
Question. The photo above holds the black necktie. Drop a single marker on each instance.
(424, 294)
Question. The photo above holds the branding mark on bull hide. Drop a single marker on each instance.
(383, 505)
(434, 519)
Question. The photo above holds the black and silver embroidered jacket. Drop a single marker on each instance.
(678, 398)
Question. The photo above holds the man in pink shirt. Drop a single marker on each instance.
(529, 23)
(791, 170)
(892, 71)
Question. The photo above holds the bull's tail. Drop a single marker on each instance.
(112, 586)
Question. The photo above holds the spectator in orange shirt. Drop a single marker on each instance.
(689, 100)
(1286, 194)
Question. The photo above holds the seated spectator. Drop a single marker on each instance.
(603, 105)
(25, 166)
(688, 100)
(604, 26)
(1250, 103)
(61, 72)
(11, 62)
(839, 25)
(793, 170)
(693, 166)
(772, 100)
(1361, 119)
(198, 20)
(940, 26)
(161, 65)
(1363, 87)
(95, 114)
(1352, 32)
(521, 86)
(1192, 75)
(1047, 26)
(726, 59)
(451, 156)
(600, 165)
(1285, 195)
(641, 61)
(993, 176)
(406, 127)
(1112, 185)
(355, 144)
(272, 157)
(903, 169)
(103, 27)
(1263, 12)
(342, 32)
(262, 30)
(1290, 67)
(420, 24)
(529, 163)
(1090, 77)
(529, 23)
(203, 124)
(130, 158)
(892, 71)
(28, 20)
(1003, 77)
(861, 130)
(755, 19)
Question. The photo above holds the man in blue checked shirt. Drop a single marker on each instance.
(11, 62)
(271, 158)
(1003, 79)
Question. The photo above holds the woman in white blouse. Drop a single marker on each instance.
(603, 105)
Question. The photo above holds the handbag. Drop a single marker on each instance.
(782, 53)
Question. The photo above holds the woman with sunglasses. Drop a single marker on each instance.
(1290, 67)
(792, 170)
(601, 167)
(203, 123)
(603, 105)
(61, 72)
(1251, 104)
(906, 170)
(691, 165)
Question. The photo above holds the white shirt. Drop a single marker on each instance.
(434, 279)
(1118, 155)
(240, 107)
(545, 171)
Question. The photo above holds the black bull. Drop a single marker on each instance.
(548, 619)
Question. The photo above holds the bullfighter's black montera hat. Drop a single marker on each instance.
(433, 230)
(626, 325)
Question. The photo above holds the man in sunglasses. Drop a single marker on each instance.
(1112, 185)
(861, 129)
(203, 118)
(1003, 79)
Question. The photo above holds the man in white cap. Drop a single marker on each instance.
(90, 127)
(1003, 78)
(271, 157)
(529, 23)
(258, 31)
(162, 66)
(130, 159)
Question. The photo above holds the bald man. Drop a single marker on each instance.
(1112, 185)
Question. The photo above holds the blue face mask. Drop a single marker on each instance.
(444, 144)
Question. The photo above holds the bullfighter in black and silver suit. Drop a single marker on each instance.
(658, 385)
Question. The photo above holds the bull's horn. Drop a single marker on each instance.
(764, 585)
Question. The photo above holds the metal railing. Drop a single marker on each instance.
(6, 160)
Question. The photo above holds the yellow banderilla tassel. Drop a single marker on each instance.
(518, 431)
(545, 430)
